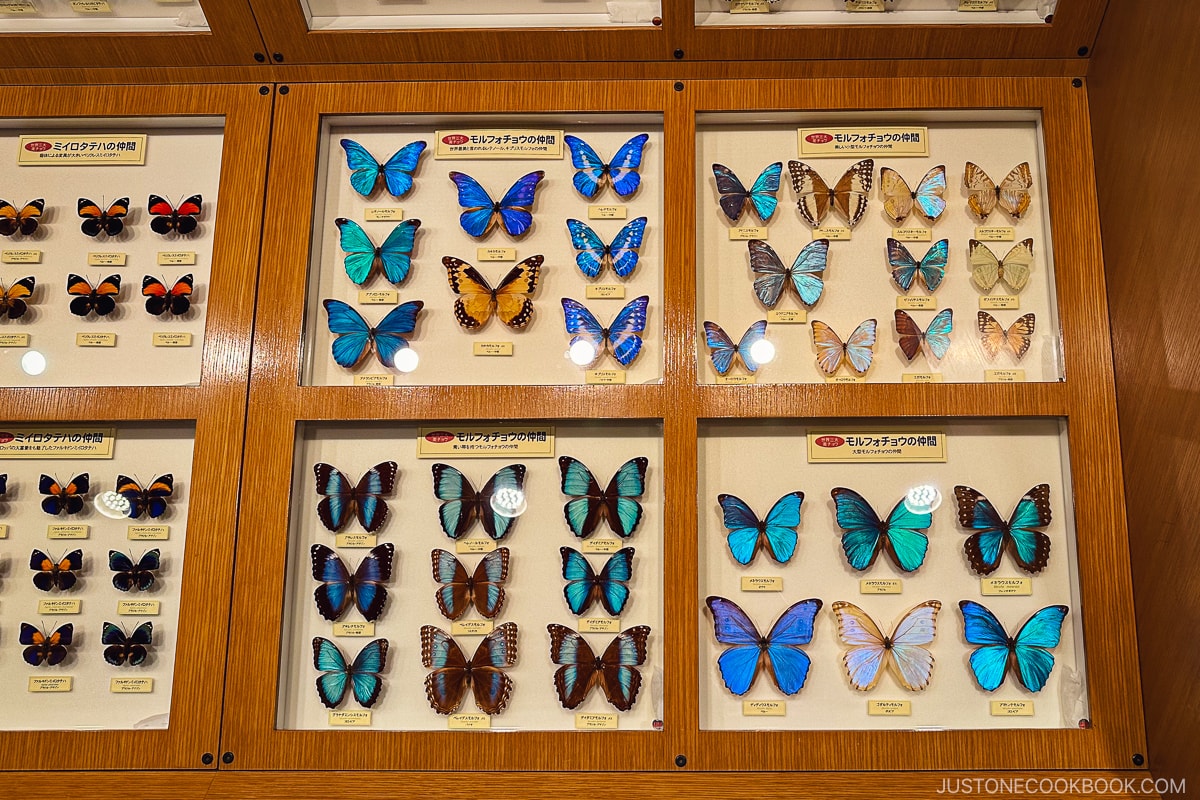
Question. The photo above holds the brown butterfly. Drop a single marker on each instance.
(993, 336)
(1012, 194)
(848, 196)
(483, 588)
(447, 685)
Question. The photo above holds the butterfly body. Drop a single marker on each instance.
(393, 257)
(365, 170)
(585, 587)
(617, 503)
(848, 196)
(936, 336)
(931, 268)
(341, 499)
(483, 588)
(130, 576)
(594, 255)
(993, 534)
(592, 173)
(97, 220)
(899, 200)
(14, 301)
(49, 574)
(722, 349)
(125, 648)
(804, 275)
(779, 652)
(446, 686)
(161, 300)
(1027, 654)
(63, 499)
(1012, 193)
(340, 588)
(23, 220)
(865, 535)
(511, 212)
(857, 351)
(101, 299)
(167, 218)
(622, 338)
(462, 505)
(760, 197)
(776, 533)
(42, 648)
(511, 300)
(614, 670)
(361, 676)
(151, 500)
(1016, 337)
(1014, 270)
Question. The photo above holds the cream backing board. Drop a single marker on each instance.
(858, 281)
(122, 16)
(181, 160)
(899, 12)
(1002, 459)
(350, 15)
(444, 347)
(533, 591)
(143, 452)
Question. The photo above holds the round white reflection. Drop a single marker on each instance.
(33, 363)
(582, 353)
(406, 360)
(111, 505)
(509, 502)
(923, 499)
(762, 351)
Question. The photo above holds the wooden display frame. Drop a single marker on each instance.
(1085, 399)
(216, 405)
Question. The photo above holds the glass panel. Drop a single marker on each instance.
(102, 16)
(882, 12)
(398, 14)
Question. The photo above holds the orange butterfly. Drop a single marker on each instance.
(96, 219)
(1012, 194)
(102, 299)
(12, 299)
(858, 350)
(510, 300)
(993, 336)
(24, 221)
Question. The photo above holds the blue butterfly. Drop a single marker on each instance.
(865, 535)
(1031, 548)
(356, 339)
(394, 255)
(805, 272)
(446, 685)
(936, 336)
(931, 267)
(779, 649)
(722, 349)
(482, 213)
(397, 170)
(1030, 648)
(761, 195)
(616, 503)
(339, 589)
(594, 255)
(614, 670)
(483, 588)
(621, 337)
(748, 534)
(463, 505)
(584, 586)
(593, 173)
(342, 499)
(362, 676)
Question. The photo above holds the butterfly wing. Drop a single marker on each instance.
(851, 193)
(488, 582)
(583, 325)
(358, 247)
(12, 300)
(989, 661)
(593, 253)
(370, 595)
(861, 527)
(476, 299)
(583, 511)
(981, 191)
(1019, 335)
(574, 677)
(364, 168)
(481, 213)
(623, 169)
(336, 591)
(454, 596)
(929, 197)
(807, 269)
(1013, 192)
(461, 504)
(860, 347)
(789, 664)
(398, 170)
(389, 333)
(910, 334)
(491, 684)
(625, 247)
(621, 507)
(779, 527)
(621, 681)
(743, 526)
(812, 192)
(1031, 547)
(354, 339)
(1039, 635)
(897, 197)
(364, 672)
(904, 266)
(765, 263)
(830, 349)
(910, 656)
(753, 335)
(904, 536)
(446, 685)
(866, 649)
(514, 305)
(510, 482)
(992, 336)
(515, 206)
(733, 194)
(933, 264)
(937, 335)
(985, 267)
(334, 680)
(590, 167)
(738, 664)
(721, 348)
(624, 334)
(764, 190)
(1017, 265)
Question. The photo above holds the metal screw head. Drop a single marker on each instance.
(264, 90)
(1083, 51)
(260, 57)
(1077, 82)
(277, 56)
(681, 761)
(1138, 759)
(679, 86)
(1049, 19)
(227, 757)
(657, 22)
(206, 759)
(284, 89)
(679, 54)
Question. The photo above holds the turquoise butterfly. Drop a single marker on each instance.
(1029, 649)
(394, 255)
(992, 534)
(616, 503)
(865, 535)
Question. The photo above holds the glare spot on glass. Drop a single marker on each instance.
(406, 360)
(33, 363)
(111, 505)
(582, 353)
(509, 502)
(923, 499)
(762, 351)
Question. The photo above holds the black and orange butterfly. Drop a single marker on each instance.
(152, 500)
(43, 647)
(161, 300)
(102, 298)
(477, 301)
(12, 299)
(182, 220)
(50, 574)
(64, 499)
(96, 219)
(23, 220)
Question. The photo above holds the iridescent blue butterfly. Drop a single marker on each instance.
(722, 349)
(865, 535)
(616, 503)
(339, 589)
(356, 339)
(593, 173)
(130, 576)
(761, 195)
(779, 650)
(484, 588)
(748, 534)
(463, 505)
(594, 255)
(342, 499)
(122, 647)
(905, 268)
(1030, 547)
(1029, 649)
(614, 670)
(362, 677)
(394, 256)
(936, 336)
(585, 587)
(805, 272)
(621, 337)
(397, 170)
(482, 213)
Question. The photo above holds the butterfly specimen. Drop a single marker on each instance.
(778, 652)
(394, 256)
(1031, 548)
(340, 589)
(482, 213)
(161, 300)
(621, 338)
(983, 195)
(899, 200)
(96, 219)
(14, 299)
(102, 299)
(865, 535)
(462, 505)
(722, 349)
(50, 574)
(168, 218)
(483, 588)
(355, 339)
(761, 194)
(1018, 336)
(131, 576)
(396, 171)
(45, 648)
(362, 676)
(776, 533)
(3, 483)
(1013, 270)
(936, 336)
(804, 274)
(477, 301)
(584, 587)
(594, 255)
(614, 671)
(341, 499)
(23, 220)
(446, 685)
(127, 648)
(617, 503)
(1028, 651)
(869, 652)
(905, 268)
(63, 499)
(152, 500)
(848, 196)
(857, 351)
(592, 173)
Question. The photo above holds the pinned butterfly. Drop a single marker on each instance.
(446, 686)
(617, 503)
(66, 499)
(393, 257)
(160, 300)
(24, 220)
(865, 535)
(1012, 193)
(905, 651)
(734, 198)
(45, 648)
(49, 574)
(101, 298)
(361, 677)
(585, 587)
(722, 349)
(14, 301)
(848, 196)
(168, 218)
(594, 255)
(614, 671)
(592, 173)
(936, 337)
(151, 500)
(127, 648)
(748, 534)
(97, 220)
(483, 588)
(779, 653)
(512, 212)
(341, 588)
(905, 269)
(622, 338)
(804, 275)
(993, 534)
(900, 201)
(1016, 337)
(355, 338)
(1027, 654)
(134, 576)
(342, 499)
(397, 171)
(497, 504)
(858, 351)
(1013, 270)
(511, 300)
